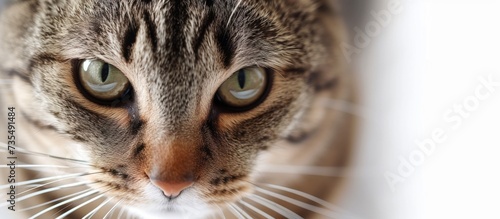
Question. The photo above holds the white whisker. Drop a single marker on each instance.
(253, 208)
(122, 210)
(112, 210)
(304, 170)
(274, 206)
(232, 13)
(42, 185)
(20, 150)
(243, 212)
(324, 212)
(233, 210)
(30, 166)
(305, 195)
(79, 206)
(221, 212)
(43, 179)
(93, 212)
(55, 200)
(51, 190)
(64, 202)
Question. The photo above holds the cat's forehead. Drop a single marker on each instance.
(184, 35)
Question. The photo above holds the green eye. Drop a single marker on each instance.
(244, 88)
(102, 80)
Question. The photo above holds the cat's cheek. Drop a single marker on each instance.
(80, 151)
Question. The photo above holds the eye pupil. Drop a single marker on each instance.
(105, 72)
(241, 78)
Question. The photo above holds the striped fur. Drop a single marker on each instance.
(176, 53)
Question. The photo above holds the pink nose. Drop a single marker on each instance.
(172, 190)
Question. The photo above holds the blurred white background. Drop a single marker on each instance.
(429, 59)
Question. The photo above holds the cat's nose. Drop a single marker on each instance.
(172, 190)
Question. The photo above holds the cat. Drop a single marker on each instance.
(181, 108)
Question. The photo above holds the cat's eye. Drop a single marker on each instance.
(102, 80)
(244, 88)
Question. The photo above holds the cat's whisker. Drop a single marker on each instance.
(112, 210)
(221, 212)
(122, 210)
(243, 212)
(51, 190)
(258, 211)
(305, 170)
(324, 212)
(238, 209)
(305, 195)
(87, 194)
(20, 150)
(312, 198)
(93, 212)
(274, 206)
(35, 166)
(47, 179)
(81, 205)
(55, 200)
(233, 12)
(42, 185)
(235, 212)
(44, 179)
(52, 169)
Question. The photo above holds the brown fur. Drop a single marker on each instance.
(176, 54)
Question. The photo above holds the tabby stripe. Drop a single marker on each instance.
(202, 32)
(91, 117)
(129, 41)
(207, 151)
(151, 31)
(226, 46)
(178, 17)
(209, 3)
(212, 120)
(43, 59)
(96, 27)
(138, 150)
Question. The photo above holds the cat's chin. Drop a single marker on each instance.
(169, 213)
(172, 211)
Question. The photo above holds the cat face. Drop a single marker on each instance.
(174, 100)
